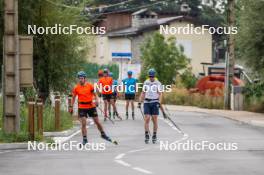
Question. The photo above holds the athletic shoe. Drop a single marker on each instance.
(114, 114)
(85, 141)
(146, 138)
(154, 139)
(133, 115)
(104, 136)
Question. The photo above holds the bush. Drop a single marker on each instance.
(49, 119)
(7, 138)
(1, 112)
(181, 96)
(92, 69)
(254, 104)
(188, 79)
(254, 97)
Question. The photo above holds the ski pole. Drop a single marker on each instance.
(105, 115)
(143, 117)
(141, 113)
(169, 118)
(139, 106)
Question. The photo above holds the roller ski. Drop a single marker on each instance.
(105, 137)
(117, 115)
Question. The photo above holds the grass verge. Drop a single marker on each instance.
(48, 124)
(181, 96)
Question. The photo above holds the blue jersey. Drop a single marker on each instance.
(130, 85)
(115, 84)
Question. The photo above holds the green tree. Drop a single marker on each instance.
(1, 34)
(251, 34)
(164, 57)
(57, 58)
(92, 69)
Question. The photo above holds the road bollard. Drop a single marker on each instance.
(57, 112)
(40, 117)
(31, 125)
(69, 102)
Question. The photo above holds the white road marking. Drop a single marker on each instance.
(185, 136)
(123, 163)
(137, 150)
(65, 139)
(5, 152)
(142, 170)
(120, 156)
(171, 125)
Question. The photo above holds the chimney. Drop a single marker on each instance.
(144, 17)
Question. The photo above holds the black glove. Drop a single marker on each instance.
(139, 105)
(165, 115)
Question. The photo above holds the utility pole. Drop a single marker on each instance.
(11, 88)
(230, 53)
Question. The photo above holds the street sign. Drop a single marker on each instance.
(121, 56)
(26, 61)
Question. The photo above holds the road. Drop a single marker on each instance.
(133, 157)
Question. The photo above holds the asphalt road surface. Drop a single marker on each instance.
(133, 157)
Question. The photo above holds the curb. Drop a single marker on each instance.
(24, 145)
(253, 122)
(65, 133)
(13, 146)
(257, 123)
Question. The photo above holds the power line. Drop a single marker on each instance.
(88, 8)
(144, 6)
(63, 5)
(120, 3)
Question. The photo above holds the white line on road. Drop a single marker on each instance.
(5, 152)
(185, 136)
(137, 150)
(142, 170)
(171, 125)
(65, 139)
(120, 156)
(123, 163)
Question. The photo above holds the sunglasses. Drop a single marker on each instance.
(151, 76)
